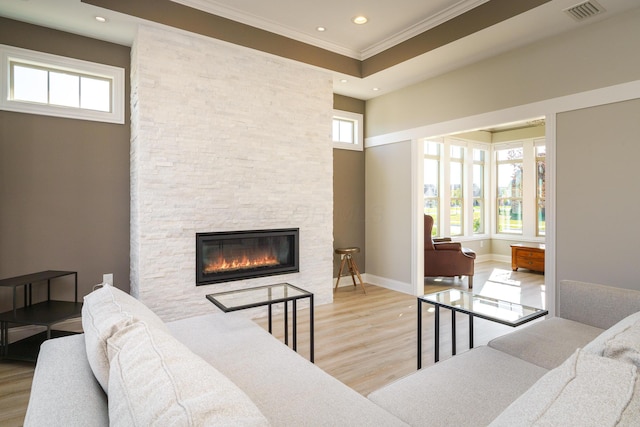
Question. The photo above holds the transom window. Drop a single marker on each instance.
(41, 83)
(33, 83)
(347, 130)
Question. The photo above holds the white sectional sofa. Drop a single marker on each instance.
(128, 368)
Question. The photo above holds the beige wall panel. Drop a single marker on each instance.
(388, 211)
(594, 56)
(597, 195)
(348, 193)
(348, 205)
(64, 183)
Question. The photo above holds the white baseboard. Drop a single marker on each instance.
(384, 282)
(500, 258)
(371, 279)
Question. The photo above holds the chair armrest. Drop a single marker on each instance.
(448, 246)
(441, 239)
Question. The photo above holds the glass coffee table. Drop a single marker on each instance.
(269, 295)
(495, 310)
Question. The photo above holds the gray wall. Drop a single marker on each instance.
(64, 184)
(388, 211)
(593, 56)
(590, 57)
(597, 194)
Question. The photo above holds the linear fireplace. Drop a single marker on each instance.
(237, 255)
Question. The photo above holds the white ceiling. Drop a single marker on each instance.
(390, 22)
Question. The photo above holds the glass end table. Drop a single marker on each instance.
(242, 299)
(492, 309)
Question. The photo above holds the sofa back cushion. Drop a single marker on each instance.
(104, 312)
(586, 390)
(156, 380)
(596, 305)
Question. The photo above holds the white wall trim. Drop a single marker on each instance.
(417, 213)
(550, 216)
(602, 96)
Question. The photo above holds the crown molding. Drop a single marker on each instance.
(216, 8)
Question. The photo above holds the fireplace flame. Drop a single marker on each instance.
(222, 264)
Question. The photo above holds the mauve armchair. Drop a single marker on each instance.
(442, 257)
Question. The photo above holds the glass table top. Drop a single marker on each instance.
(506, 312)
(254, 297)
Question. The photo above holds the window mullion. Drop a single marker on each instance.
(445, 188)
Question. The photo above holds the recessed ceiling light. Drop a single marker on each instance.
(343, 80)
(321, 29)
(101, 19)
(360, 20)
(376, 88)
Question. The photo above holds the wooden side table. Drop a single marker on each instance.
(347, 258)
(527, 255)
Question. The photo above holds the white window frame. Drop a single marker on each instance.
(539, 143)
(61, 63)
(445, 188)
(358, 128)
(486, 190)
(529, 197)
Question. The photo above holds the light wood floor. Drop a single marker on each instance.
(365, 341)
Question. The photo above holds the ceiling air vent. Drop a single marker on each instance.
(584, 10)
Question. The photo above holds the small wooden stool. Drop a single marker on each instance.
(345, 255)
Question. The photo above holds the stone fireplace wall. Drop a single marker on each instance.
(224, 138)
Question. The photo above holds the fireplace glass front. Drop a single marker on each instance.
(237, 255)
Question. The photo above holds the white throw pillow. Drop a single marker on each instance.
(586, 390)
(625, 346)
(156, 380)
(598, 345)
(104, 312)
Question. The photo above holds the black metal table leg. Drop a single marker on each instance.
(419, 333)
(453, 332)
(437, 335)
(471, 331)
(4, 339)
(270, 320)
(286, 322)
(295, 325)
(311, 332)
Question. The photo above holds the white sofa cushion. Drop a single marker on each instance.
(546, 343)
(104, 312)
(586, 390)
(156, 380)
(469, 389)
